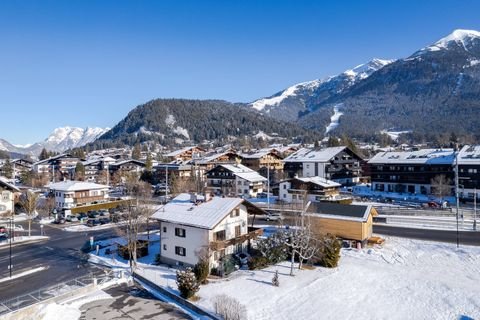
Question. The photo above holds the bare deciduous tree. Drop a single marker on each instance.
(137, 214)
(229, 308)
(29, 202)
(441, 186)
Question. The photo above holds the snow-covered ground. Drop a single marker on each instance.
(406, 279)
(334, 119)
(83, 227)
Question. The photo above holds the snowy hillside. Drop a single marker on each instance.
(302, 98)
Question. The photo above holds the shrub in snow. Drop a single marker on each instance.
(275, 280)
(257, 262)
(329, 253)
(201, 270)
(229, 308)
(274, 248)
(187, 283)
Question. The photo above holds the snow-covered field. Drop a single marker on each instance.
(406, 279)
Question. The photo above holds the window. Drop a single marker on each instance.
(180, 251)
(239, 182)
(284, 195)
(238, 231)
(164, 229)
(220, 235)
(179, 232)
(235, 213)
(284, 186)
(164, 247)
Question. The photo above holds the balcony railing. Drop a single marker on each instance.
(252, 234)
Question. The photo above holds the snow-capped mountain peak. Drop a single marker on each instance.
(59, 140)
(303, 97)
(65, 138)
(289, 92)
(465, 39)
(364, 70)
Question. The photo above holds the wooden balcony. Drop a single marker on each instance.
(252, 234)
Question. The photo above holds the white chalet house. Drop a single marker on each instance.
(314, 188)
(190, 227)
(7, 195)
(71, 194)
(235, 179)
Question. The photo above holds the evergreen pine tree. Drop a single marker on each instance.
(136, 152)
(148, 163)
(7, 169)
(43, 154)
(187, 283)
(275, 280)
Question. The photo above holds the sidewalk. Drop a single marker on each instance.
(22, 239)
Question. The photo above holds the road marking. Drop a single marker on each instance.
(49, 248)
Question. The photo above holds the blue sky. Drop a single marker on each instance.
(88, 63)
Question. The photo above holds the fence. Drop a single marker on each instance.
(177, 299)
(50, 292)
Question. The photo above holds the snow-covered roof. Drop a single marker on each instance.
(180, 151)
(312, 155)
(244, 172)
(4, 183)
(424, 156)
(122, 162)
(205, 215)
(469, 155)
(337, 211)
(75, 186)
(325, 183)
(259, 154)
(52, 158)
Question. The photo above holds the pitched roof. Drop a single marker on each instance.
(244, 172)
(53, 158)
(204, 215)
(325, 183)
(469, 155)
(329, 210)
(424, 156)
(75, 186)
(7, 185)
(312, 155)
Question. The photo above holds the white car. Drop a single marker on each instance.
(273, 217)
(71, 218)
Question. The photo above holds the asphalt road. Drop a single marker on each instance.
(465, 237)
(60, 255)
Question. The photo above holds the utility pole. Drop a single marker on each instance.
(456, 192)
(108, 174)
(475, 209)
(166, 182)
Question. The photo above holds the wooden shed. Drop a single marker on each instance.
(350, 222)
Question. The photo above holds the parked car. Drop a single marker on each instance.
(3, 236)
(104, 220)
(104, 213)
(82, 215)
(71, 218)
(60, 220)
(93, 214)
(93, 222)
(116, 217)
(273, 217)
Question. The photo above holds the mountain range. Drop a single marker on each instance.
(59, 140)
(432, 93)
